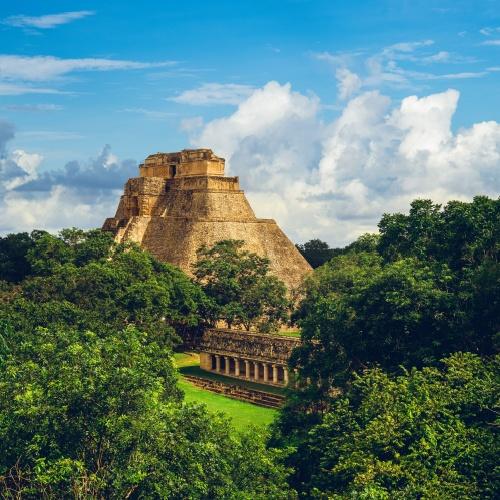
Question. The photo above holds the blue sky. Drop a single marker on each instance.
(87, 89)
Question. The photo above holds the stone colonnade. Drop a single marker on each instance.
(258, 371)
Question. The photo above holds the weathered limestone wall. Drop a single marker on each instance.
(188, 162)
(205, 361)
(212, 182)
(215, 204)
(250, 356)
(251, 346)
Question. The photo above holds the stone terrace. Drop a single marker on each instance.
(243, 355)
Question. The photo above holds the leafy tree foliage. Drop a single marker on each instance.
(89, 406)
(316, 252)
(425, 434)
(84, 280)
(87, 416)
(14, 263)
(239, 287)
(409, 303)
(425, 288)
(359, 312)
(462, 235)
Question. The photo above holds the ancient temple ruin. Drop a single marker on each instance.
(182, 200)
(247, 356)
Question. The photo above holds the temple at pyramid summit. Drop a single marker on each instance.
(182, 200)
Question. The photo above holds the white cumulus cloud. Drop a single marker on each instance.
(26, 165)
(80, 194)
(61, 207)
(334, 180)
(267, 111)
(347, 82)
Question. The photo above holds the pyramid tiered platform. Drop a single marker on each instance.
(182, 201)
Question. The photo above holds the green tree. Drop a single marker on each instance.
(88, 246)
(14, 263)
(462, 235)
(415, 297)
(357, 312)
(91, 416)
(48, 253)
(239, 288)
(75, 246)
(84, 280)
(426, 288)
(316, 252)
(424, 434)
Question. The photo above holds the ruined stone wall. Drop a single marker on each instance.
(214, 197)
(204, 203)
(212, 182)
(142, 196)
(201, 167)
(253, 346)
(260, 398)
(154, 186)
(188, 162)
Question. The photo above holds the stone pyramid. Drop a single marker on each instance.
(181, 201)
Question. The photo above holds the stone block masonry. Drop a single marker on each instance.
(247, 356)
(182, 201)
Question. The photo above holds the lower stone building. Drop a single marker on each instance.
(249, 356)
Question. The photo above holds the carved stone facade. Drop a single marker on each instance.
(244, 355)
(182, 201)
(186, 163)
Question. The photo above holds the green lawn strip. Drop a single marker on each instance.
(186, 359)
(290, 333)
(198, 372)
(242, 414)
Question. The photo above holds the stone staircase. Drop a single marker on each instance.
(259, 398)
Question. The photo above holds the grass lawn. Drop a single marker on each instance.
(242, 414)
(186, 359)
(290, 333)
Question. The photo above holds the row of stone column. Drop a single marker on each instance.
(270, 370)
